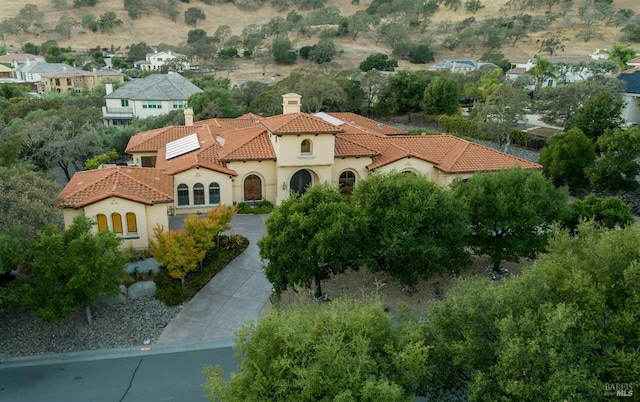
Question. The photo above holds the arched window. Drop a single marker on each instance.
(183, 195)
(346, 181)
(305, 147)
(116, 220)
(252, 188)
(198, 194)
(214, 193)
(132, 224)
(102, 222)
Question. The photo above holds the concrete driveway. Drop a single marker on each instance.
(234, 296)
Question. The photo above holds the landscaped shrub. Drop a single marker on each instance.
(170, 291)
(263, 207)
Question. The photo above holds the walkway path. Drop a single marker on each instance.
(236, 294)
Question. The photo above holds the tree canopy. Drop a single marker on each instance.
(415, 228)
(70, 268)
(342, 351)
(566, 158)
(310, 238)
(512, 211)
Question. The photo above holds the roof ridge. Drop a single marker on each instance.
(119, 170)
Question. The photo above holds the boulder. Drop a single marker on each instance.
(142, 289)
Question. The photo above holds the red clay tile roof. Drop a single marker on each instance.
(153, 140)
(248, 144)
(146, 185)
(448, 154)
(369, 125)
(298, 123)
(205, 157)
(346, 147)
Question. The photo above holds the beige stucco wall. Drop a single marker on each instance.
(204, 177)
(322, 150)
(147, 216)
(356, 165)
(266, 170)
(414, 165)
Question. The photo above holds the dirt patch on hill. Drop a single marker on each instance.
(360, 284)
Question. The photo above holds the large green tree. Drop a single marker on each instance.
(70, 268)
(511, 211)
(566, 326)
(608, 212)
(403, 94)
(416, 229)
(378, 61)
(441, 96)
(617, 165)
(311, 238)
(598, 114)
(566, 157)
(343, 351)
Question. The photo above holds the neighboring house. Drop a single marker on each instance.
(5, 72)
(72, 79)
(154, 95)
(156, 60)
(635, 62)
(251, 159)
(16, 59)
(520, 67)
(31, 71)
(123, 53)
(455, 66)
(631, 110)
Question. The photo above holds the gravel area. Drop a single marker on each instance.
(121, 325)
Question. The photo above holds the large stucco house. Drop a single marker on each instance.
(191, 168)
(154, 95)
(155, 61)
(77, 80)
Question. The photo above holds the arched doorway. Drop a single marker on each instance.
(300, 181)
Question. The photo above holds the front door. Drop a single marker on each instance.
(300, 181)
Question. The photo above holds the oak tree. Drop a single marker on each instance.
(311, 238)
(512, 211)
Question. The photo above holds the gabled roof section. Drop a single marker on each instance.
(247, 144)
(206, 157)
(298, 123)
(448, 154)
(153, 140)
(145, 185)
(632, 80)
(346, 147)
(218, 125)
(170, 86)
(366, 124)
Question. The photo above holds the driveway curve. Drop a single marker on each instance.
(235, 295)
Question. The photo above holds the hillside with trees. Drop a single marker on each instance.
(415, 32)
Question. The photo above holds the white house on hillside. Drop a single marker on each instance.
(568, 69)
(156, 60)
(154, 95)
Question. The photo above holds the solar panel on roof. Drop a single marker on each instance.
(182, 146)
(329, 119)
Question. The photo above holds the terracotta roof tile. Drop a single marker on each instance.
(145, 185)
(298, 123)
(248, 144)
(369, 125)
(153, 140)
(346, 147)
(448, 154)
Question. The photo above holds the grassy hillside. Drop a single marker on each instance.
(156, 29)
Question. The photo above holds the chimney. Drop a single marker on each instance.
(64, 69)
(95, 76)
(291, 103)
(188, 116)
(108, 87)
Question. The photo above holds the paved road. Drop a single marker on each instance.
(151, 376)
(234, 296)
